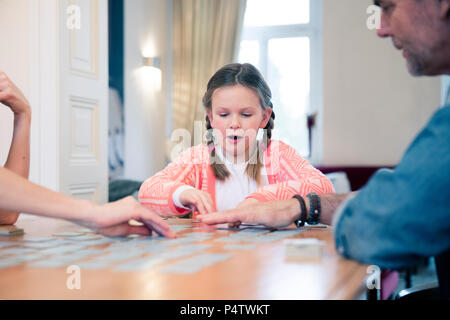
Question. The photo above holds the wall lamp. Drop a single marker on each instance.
(151, 62)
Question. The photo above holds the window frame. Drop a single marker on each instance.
(312, 30)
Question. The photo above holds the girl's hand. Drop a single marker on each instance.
(198, 199)
(12, 97)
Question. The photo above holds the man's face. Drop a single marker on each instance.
(413, 26)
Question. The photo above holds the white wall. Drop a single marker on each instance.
(372, 107)
(14, 60)
(30, 52)
(145, 103)
(18, 57)
(445, 88)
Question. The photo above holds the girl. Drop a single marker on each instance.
(233, 164)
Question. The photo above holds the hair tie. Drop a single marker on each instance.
(211, 148)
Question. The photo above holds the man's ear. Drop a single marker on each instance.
(444, 9)
(266, 117)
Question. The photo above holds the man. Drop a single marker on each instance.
(17, 194)
(403, 216)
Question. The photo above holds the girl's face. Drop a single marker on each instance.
(236, 116)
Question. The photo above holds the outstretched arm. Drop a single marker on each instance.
(276, 214)
(112, 219)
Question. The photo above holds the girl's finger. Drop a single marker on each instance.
(201, 207)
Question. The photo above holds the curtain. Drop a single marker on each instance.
(206, 37)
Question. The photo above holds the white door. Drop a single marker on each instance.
(83, 112)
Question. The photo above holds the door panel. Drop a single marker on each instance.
(84, 101)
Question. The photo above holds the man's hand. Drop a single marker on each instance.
(246, 202)
(276, 214)
(12, 97)
(112, 219)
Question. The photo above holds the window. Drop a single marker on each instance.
(282, 39)
(445, 89)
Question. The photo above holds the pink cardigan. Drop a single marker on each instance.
(287, 172)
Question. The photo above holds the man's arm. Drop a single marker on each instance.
(276, 214)
(112, 219)
(18, 160)
(401, 217)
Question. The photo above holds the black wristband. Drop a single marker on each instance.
(314, 208)
(301, 221)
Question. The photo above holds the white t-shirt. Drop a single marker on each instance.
(234, 190)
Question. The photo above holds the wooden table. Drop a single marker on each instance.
(261, 273)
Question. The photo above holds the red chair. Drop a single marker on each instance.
(389, 282)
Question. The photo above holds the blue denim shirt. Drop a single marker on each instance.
(402, 216)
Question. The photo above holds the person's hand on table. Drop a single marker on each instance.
(112, 219)
(276, 214)
(244, 203)
(198, 200)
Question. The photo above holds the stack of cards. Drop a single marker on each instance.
(307, 248)
(10, 231)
